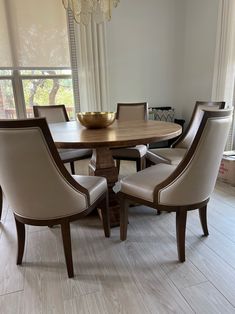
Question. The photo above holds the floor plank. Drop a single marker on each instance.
(214, 268)
(205, 298)
(11, 275)
(42, 285)
(139, 273)
(217, 241)
(11, 303)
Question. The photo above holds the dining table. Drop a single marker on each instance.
(120, 134)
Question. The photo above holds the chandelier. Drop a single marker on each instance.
(83, 9)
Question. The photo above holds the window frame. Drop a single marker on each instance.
(17, 78)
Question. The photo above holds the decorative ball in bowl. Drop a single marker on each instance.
(96, 120)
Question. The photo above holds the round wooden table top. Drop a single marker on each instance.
(120, 134)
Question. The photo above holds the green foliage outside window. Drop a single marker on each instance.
(48, 91)
(41, 90)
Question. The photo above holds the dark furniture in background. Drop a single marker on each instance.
(165, 116)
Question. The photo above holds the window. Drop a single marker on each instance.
(36, 87)
(34, 57)
(47, 87)
(7, 101)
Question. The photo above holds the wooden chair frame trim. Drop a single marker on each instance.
(42, 124)
(181, 211)
(65, 230)
(181, 217)
(57, 221)
(63, 221)
(223, 113)
(157, 206)
(220, 104)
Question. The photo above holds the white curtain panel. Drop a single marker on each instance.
(92, 66)
(224, 70)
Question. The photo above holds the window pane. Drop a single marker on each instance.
(5, 72)
(48, 92)
(46, 72)
(7, 102)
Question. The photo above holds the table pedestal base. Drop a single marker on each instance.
(103, 165)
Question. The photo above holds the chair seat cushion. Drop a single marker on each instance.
(67, 154)
(171, 156)
(143, 183)
(137, 151)
(96, 186)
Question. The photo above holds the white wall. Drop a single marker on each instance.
(198, 53)
(144, 43)
(162, 51)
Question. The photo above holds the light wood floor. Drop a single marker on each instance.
(140, 275)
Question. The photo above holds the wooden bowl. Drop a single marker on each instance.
(96, 120)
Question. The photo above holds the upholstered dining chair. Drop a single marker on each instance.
(130, 112)
(56, 114)
(184, 187)
(174, 154)
(38, 187)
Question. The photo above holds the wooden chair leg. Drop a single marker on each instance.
(105, 216)
(20, 228)
(138, 164)
(203, 219)
(118, 163)
(1, 202)
(123, 218)
(181, 217)
(66, 236)
(158, 212)
(72, 167)
(148, 163)
(143, 163)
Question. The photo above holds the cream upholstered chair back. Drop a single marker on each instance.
(57, 114)
(132, 111)
(53, 113)
(39, 189)
(32, 176)
(194, 179)
(187, 138)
